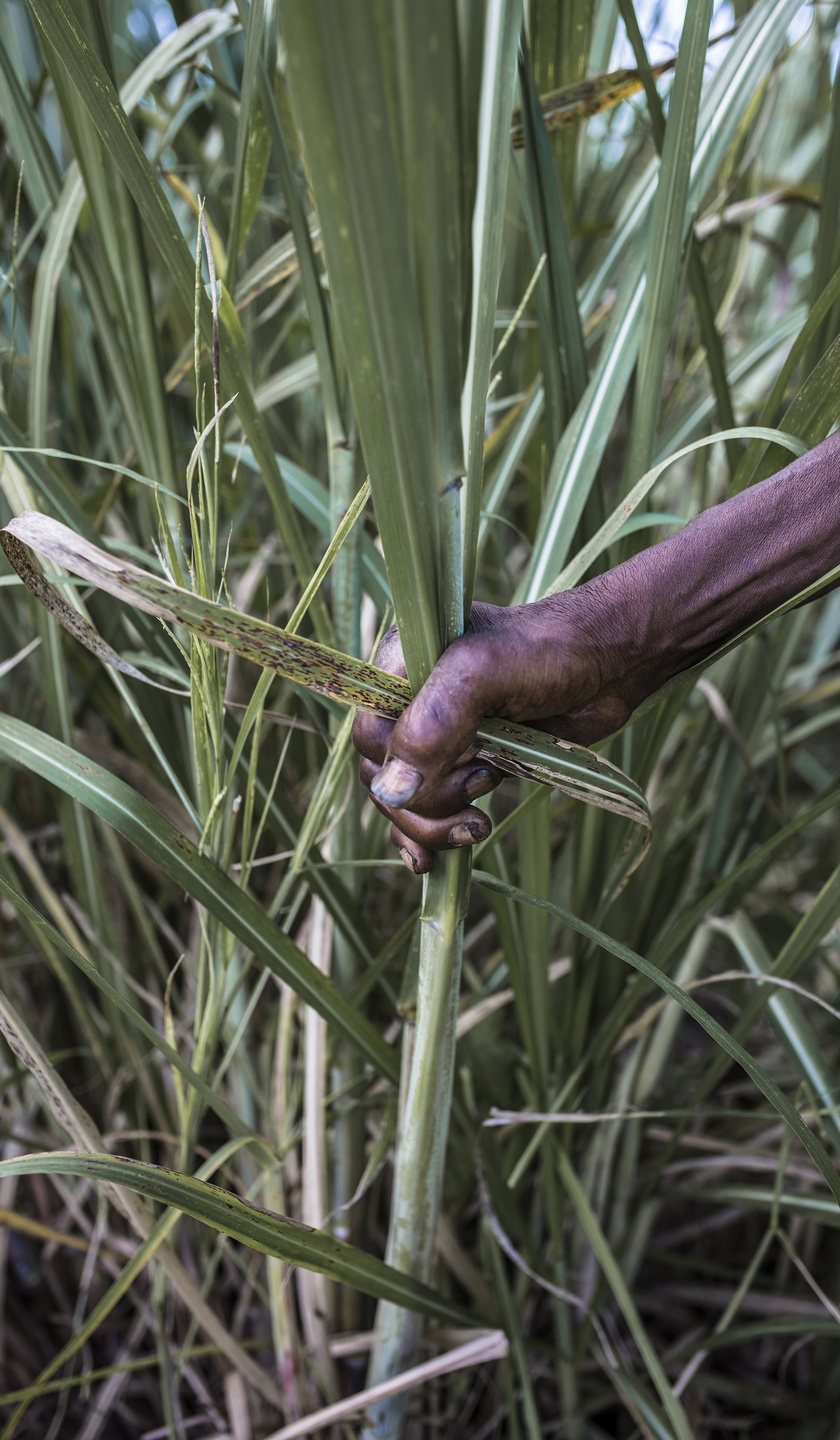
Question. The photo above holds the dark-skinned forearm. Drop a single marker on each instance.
(673, 604)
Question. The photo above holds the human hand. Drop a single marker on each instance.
(577, 664)
(548, 664)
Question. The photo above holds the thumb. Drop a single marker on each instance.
(437, 731)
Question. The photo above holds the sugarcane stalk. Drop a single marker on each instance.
(348, 1145)
(421, 1143)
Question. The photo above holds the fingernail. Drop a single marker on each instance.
(396, 782)
(479, 783)
(466, 834)
(408, 860)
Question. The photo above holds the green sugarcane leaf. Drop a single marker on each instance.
(619, 520)
(503, 23)
(251, 150)
(754, 1197)
(138, 1021)
(102, 103)
(174, 50)
(731, 1047)
(577, 458)
(46, 482)
(790, 1023)
(250, 1224)
(356, 169)
(311, 497)
(154, 835)
(751, 468)
(669, 221)
(551, 231)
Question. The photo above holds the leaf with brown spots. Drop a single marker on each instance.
(529, 754)
(71, 619)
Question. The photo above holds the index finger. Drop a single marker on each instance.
(371, 735)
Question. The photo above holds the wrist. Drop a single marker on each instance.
(638, 655)
(613, 626)
(669, 607)
(656, 615)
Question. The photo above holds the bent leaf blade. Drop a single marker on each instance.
(516, 749)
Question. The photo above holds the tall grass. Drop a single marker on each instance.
(570, 1150)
